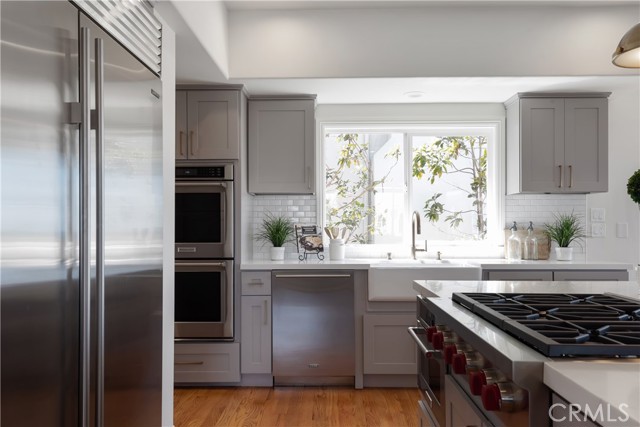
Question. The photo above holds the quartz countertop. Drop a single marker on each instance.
(613, 386)
(485, 264)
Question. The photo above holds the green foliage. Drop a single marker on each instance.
(275, 229)
(352, 211)
(433, 161)
(565, 229)
(633, 186)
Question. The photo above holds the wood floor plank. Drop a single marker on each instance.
(295, 407)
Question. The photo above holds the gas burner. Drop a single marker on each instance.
(563, 324)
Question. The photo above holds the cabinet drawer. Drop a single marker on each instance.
(256, 283)
(207, 363)
(546, 275)
(591, 275)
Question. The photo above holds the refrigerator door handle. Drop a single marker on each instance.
(85, 226)
(100, 284)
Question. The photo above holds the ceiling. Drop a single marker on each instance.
(191, 56)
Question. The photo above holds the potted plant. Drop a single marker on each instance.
(565, 229)
(633, 187)
(277, 230)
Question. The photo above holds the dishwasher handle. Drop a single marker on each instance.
(313, 276)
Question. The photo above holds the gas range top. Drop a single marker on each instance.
(563, 325)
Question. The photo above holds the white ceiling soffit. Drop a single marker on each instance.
(434, 90)
(354, 4)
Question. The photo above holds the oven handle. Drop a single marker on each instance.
(201, 264)
(222, 184)
(416, 338)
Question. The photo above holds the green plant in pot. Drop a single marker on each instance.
(565, 229)
(276, 230)
(633, 187)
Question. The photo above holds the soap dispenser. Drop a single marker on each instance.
(530, 244)
(514, 245)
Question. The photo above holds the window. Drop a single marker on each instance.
(376, 176)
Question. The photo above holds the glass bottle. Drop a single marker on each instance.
(514, 245)
(530, 244)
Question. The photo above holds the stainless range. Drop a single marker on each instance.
(482, 354)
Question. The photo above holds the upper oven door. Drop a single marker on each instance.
(204, 220)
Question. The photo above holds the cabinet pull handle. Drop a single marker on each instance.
(191, 143)
(309, 177)
(570, 176)
(560, 167)
(266, 313)
(189, 363)
(180, 143)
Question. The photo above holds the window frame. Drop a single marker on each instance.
(492, 128)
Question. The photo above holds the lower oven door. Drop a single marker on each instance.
(204, 300)
(431, 374)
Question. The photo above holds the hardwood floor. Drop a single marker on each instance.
(295, 407)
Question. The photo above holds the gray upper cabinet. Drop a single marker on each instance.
(557, 143)
(281, 146)
(207, 124)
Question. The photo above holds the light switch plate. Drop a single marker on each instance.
(598, 229)
(597, 214)
(622, 230)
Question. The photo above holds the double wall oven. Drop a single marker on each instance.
(204, 251)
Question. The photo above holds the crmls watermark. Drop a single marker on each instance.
(568, 412)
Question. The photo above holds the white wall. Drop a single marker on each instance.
(168, 170)
(430, 41)
(624, 159)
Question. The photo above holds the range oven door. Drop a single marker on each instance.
(431, 374)
(204, 219)
(204, 300)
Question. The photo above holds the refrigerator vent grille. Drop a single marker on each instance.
(132, 23)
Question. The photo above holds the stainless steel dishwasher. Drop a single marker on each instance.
(313, 327)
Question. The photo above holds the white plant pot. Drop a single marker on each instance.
(564, 254)
(277, 254)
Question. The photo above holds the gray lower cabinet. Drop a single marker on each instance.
(206, 363)
(281, 146)
(557, 275)
(557, 143)
(255, 355)
(388, 348)
(255, 322)
(207, 124)
(563, 414)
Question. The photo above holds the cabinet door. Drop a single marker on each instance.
(214, 124)
(577, 275)
(255, 353)
(388, 348)
(520, 275)
(181, 125)
(281, 146)
(586, 162)
(542, 144)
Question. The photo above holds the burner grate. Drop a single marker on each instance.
(563, 324)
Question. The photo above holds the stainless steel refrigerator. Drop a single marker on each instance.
(81, 223)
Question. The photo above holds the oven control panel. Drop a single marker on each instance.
(213, 172)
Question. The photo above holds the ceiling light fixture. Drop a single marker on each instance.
(627, 54)
(414, 94)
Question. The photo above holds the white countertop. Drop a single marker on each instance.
(613, 385)
(488, 264)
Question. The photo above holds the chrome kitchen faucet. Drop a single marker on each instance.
(415, 228)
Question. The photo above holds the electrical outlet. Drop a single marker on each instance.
(598, 230)
(622, 230)
(597, 214)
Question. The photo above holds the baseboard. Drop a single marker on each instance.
(404, 381)
(256, 380)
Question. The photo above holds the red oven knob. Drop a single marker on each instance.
(477, 379)
(491, 397)
(449, 351)
(437, 340)
(459, 362)
(430, 331)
